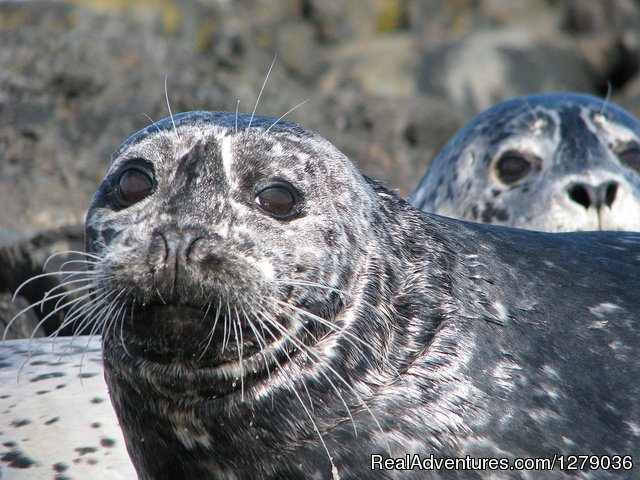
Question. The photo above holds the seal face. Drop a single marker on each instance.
(550, 162)
(269, 312)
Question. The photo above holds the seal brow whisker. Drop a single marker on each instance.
(237, 108)
(255, 107)
(607, 98)
(166, 96)
(284, 115)
(153, 122)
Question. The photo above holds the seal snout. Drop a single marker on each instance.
(593, 196)
(171, 254)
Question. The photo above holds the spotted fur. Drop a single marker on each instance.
(56, 419)
(585, 156)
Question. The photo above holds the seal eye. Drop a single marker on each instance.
(630, 155)
(278, 200)
(513, 166)
(133, 186)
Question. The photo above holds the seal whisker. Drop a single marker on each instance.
(314, 356)
(227, 329)
(284, 115)
(237, 107)
(166, 96)
(40, 302)
(95, 258)
(255, 107)
(308, 413)
(351, 338)
(211, 331)
(43, 275)
(607, 98)
(85, 312)
(237, 332)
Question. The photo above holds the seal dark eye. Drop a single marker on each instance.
(630, 154)
(133, 186)
(513, 166)
(278, 200)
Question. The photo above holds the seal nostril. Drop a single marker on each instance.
(611, 189)
(579, 194)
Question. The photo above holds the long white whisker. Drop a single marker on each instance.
(166, 96)
(237, 331)
(284, 115)
(255, 107)
(69, 252)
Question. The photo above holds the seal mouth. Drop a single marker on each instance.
(180, 342)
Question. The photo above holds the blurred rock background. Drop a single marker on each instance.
(388, 82)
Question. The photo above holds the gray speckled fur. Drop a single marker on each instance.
(56, 421)
(574, 135)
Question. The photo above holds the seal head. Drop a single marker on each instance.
(550, 162)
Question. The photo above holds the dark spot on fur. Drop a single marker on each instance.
(60, 467)
(62, 385)
(330, 238)
(16, 459)
(97, 400)
(86, 450)
(491, 213)
(46, 376)
(6, 364)
(107, 442)
(20, 423)
(42, 392)
(88, 375)
(53, 420)
(3, 397)
(39, 362)
(9, 444)
(96, 425)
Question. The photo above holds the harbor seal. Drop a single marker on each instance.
(57, 421)
(551, 162)
(269, 312)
